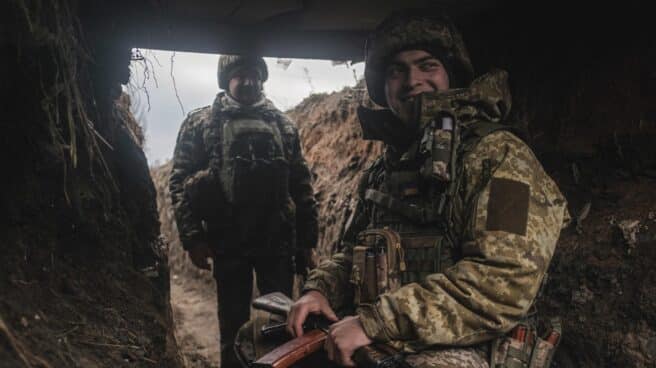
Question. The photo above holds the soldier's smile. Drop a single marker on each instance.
(409, 74)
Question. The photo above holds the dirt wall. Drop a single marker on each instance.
(84, 280)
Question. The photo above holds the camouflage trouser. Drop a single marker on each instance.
(444, 358)
(234, 282)
(249, 346)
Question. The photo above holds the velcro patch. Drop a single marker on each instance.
(507, 208)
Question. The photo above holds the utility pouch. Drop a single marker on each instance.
(522, 347)
(437, 143)
(377, 264)
(383, 261)
(358, 273)
(544, 349)
(424, 255)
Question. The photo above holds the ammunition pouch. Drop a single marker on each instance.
(383, 261)
(523, 347)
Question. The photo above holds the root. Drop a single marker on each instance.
(52, 23)
(175, 87)
(30, 360)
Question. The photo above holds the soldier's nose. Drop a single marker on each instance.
(413, 78)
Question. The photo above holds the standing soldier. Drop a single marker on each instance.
(458, 214)
(242, 194)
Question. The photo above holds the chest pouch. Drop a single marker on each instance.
(254, 170)
(436, 144)
(383, 261)
(403, 184)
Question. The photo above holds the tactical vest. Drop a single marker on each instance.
(415, 228)
(251, 161)
(418, 199)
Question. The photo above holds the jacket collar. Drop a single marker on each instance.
(487, 99)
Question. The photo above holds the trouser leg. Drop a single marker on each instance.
(274, 274)
(234, 282)
(449, 358)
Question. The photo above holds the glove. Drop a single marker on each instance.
(199, 254)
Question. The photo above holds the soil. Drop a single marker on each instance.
(193, 291)
(196, 322)
(332, 143)
(84, 279)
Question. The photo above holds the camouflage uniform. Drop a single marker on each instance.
(483, 238)
(243, 239)
(506, 219)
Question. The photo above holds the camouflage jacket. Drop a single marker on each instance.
(196, 194)
(507, 216)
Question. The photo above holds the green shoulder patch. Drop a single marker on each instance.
(507, 208)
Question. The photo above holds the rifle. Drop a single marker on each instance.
(289, 353)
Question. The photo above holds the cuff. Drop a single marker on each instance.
(372, 323)
(315, 285)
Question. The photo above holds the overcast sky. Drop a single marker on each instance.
(157, 108)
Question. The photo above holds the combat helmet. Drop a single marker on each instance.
(230, 63)
(411, 30)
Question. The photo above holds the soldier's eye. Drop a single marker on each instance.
(429, 66)
(394, 71)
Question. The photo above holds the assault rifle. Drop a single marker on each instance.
(294, 350)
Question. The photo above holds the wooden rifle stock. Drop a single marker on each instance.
(293, 350)
(289, 353)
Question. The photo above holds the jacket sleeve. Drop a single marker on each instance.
(187, 161)
(300, 187)
(516, 213)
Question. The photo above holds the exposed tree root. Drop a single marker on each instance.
(30, 360)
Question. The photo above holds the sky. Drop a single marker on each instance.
(157, 76)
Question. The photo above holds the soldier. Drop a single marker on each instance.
(242, 194)
(475, 215)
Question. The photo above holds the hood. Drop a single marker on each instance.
(415, 30)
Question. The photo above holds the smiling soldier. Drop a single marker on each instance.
(458, 214)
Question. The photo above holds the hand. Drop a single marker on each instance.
(312, 302)
(199, 254)
(344, 338)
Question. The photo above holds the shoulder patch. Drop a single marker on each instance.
(507, 208)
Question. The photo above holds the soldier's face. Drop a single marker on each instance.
(409, 74)
(245, 86)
